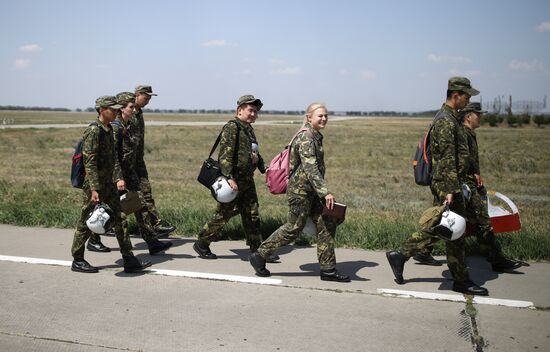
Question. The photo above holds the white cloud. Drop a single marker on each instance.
(343, 71)
(527, 66)
(22, 64)
(247, 71)
(276, 62)
(29, 48)
(468, 73)
(216, 42)
(446, 59)
(249, 60)
(287, 71)
(543, 27)
(367, 74)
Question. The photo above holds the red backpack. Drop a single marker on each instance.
(278, 173)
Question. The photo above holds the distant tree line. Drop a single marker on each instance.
(32, 108)
(515, 120)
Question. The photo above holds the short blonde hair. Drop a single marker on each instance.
(311, 108)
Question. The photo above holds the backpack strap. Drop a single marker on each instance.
(291, 172)
(235, 150)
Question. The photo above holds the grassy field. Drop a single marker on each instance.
(369, 169)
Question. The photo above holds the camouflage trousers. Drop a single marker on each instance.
(478, 218)
(246, 204)
(300, 208)
(421, 240)
(143, 219)
(108, 196)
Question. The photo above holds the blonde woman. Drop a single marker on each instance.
(307, 193)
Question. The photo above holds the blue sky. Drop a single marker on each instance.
(352, 55)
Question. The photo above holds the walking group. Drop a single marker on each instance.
(113, 163)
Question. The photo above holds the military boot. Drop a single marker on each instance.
(258, 263)
(97, 246)
(203, 250)
(83, 266)
(133, 264)
(334, 275)
(504, 265)
(426, 259)
(469, 288)
(156, 246)
(397, 263)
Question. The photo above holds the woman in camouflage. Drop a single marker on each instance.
(307, 193)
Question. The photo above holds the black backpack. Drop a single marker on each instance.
(77, 168)
(422, 161)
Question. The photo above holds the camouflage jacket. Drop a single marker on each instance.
(126, 152)
(98, 152)
(473, 166)
(238, 165)
(447, 178)
(307, 164)
(137, 124)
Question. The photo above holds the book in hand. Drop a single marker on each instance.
(337, 212)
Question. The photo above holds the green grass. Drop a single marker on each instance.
(368, 168)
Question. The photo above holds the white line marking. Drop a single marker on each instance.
(455, 298)
(191, 274)
(8, 258)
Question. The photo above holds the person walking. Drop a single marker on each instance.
(238, 161)
(143, 96)
(126, 152)
(450, 157)
(307, 193)
(99, 187)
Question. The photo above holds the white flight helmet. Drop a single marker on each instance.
(222, 191)
(100, 218)
(255, 148)
(451, 227)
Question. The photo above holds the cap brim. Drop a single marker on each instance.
(256, 102)
(151, 94)
(472, 92)
(116, 106)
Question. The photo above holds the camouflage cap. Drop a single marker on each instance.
(125, 97)
(462, 84)
(144, 90)
(249, 99)
(473, 107)
(107, 101)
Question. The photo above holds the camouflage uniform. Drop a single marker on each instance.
(99, 162)
(305, 193)
(449, 174)
(241, 170)
(138, 126)
(127, 156)
(476, 211)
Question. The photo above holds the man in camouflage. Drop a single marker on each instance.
(307, 193)
(450, 159)
(237, 163)
(99, 186)
(143, 96)
(476, 210)
(126, 151)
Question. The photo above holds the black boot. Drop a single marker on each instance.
(162, 228)
(397, 262)
(273, 258)
(157, 246)
(426, 259)
(203, 251)
(83, 266)
(334, 275)
(469, 288)
(133, 264)
(94, 246)
(504, 265)
(258, 263)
